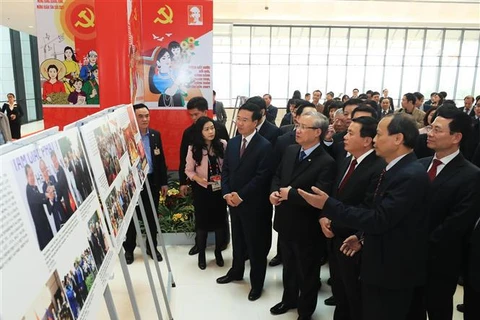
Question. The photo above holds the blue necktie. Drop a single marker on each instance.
(302, 156)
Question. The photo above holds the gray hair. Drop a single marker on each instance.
(338, 112)
(319, 121)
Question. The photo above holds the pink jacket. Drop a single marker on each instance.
(192, 169)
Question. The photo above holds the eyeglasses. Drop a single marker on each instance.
(303, 127)
(435, 130)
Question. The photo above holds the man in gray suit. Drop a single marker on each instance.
(219, 110)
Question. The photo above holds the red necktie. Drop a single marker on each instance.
(244, 145)
(347, 176)
(432, 173)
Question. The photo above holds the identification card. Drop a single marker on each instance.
(156, 151)
(216, 182)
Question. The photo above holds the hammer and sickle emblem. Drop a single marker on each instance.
(167, 17)
(88, 20)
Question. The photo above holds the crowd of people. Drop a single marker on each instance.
(389, 195)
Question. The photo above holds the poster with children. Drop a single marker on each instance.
(66, 48)
(176, 52)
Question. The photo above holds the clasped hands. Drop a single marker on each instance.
(233, 199)
(277, 197)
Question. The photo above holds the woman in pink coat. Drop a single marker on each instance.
(204, 168)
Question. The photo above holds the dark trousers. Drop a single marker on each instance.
(385, 304)
(439, 293)
(471, 300)
(301, 266)
(251, 235)
(202, 239)
(346, 284)
(225, 238)
(131, 239)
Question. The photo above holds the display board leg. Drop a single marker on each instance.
(145, 258)
(171, 280)
(128, 282)
(152, 250)
(112, 311)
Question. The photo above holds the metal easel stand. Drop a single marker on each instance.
(145, 257)
(233, 125)
(112, 311)
(171, 280)
(128, 282)
(153, 250)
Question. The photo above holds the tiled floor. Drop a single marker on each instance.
(197, 295)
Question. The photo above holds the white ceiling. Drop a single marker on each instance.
(20, 14)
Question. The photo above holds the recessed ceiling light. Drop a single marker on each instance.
(30, 26)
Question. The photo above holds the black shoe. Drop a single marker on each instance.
(193, 251)
(254, 294)
(330, 301)
(129, 257)
(280, 308)
(320, 284)
(304, 318)
(219, 258)
(460, 281)
(329, 281)
(277, 260)
(461, 308)
(159, 256)
(202, 263)
(227, 279)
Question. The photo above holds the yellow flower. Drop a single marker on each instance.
(184, 45)
(177, 217)
(191, 39)
(172, 192)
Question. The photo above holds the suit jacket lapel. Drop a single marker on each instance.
(305, 163)
(250, 146)
(343, 169)
(449, 170)
(153, 144)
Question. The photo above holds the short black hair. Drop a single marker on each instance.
(461, 122)
(330, 93)
(443, 94)
(363, 96)
(140, 106)
(369, 126)
(375, 93)
(214, 92)
(365, 108)
(292, 101)
(336, 104)
(199, 103)
(410, 97)
(258, 101)
(302, 104)
(351, 102)
(369, 92)
(355, 89)
(418, 95)
(427, 114)
(405, 124)
(249, 106)
(269, 95)
(449, 103)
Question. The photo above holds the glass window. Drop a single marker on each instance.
(259, 80)
(241, 39)
(429, 80)
(376, 44)
(392, 78)
(396, 42)
(221, 80)
(280, 43)
(410, 79)
(319, 41)
(300, 41)
(298, 79)
(240, 80)
(464, 83)
(317, 78)
(354, 77)
(373, 79)
(261, 40)
(336, 79)
(279, 82)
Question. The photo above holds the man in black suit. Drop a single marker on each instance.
(157, 178)
(471, 289)
(36, 200)
(362, 168)
(271, 111)
(395, 229)
(61, 187)
(264, 127)
(300, 237)
(197, 107)
(453, 206)
(468, 106)
(246, 176)
(385, 106)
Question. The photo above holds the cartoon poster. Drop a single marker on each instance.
(67, 54)
(176, 52)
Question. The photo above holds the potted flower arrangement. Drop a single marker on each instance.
(176, 216)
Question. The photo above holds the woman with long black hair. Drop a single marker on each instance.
(204, 167)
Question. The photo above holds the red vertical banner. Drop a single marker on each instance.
(177, 45)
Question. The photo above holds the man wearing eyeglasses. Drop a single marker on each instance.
(300, 236)
(453, 203)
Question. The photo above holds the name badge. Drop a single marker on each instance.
(156, 151)
(216, 182)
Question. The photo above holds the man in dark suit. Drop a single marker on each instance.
(362, 168)
(157, 178)
(246, 176)
(264, 127)
(300, 236)
(385, 106)
(468, 106)
(55, 209)
(453, 206)
(471, 289)
(61, 187)
(395, 229)
(36, 200)
(271, 111)
(197, 107)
